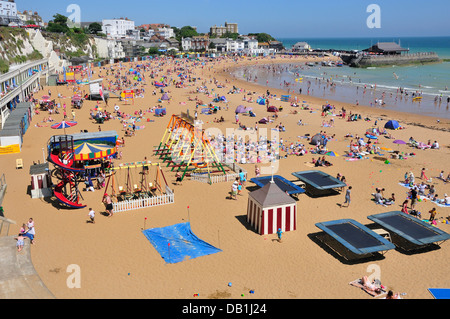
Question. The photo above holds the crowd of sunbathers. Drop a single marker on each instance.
(423, 146)
(425, 188)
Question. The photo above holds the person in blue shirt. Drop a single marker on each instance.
(242, 177)
(279, 233)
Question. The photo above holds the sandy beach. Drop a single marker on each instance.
(117, 261)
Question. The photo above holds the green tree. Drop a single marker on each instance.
(60, 19)
(58, 24)
(185, 32)
(95, 28)
(262, 37)
(230, 35)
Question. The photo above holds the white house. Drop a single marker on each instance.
(30, 16)
(301, 47)
(109, 48)
(250, 45)
(117, 28)
(166, 32)
(186, 44)
(235, 45)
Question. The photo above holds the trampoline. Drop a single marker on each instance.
(356, 237)
(281, 182)
(440, 293)
(410, 228)
(318, 182)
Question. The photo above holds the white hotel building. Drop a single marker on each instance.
(8, 13)
(117, 28)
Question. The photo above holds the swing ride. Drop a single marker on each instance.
(133, 181)
(186, 149)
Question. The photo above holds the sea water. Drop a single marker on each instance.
(379, 87)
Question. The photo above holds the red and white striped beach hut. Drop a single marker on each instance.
(270, 209)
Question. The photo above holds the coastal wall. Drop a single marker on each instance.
(376, 61)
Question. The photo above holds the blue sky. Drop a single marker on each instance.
(280, 18)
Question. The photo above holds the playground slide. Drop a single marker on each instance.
(68, 167)
(61, 198)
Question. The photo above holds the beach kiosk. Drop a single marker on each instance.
(270, 209)
(41, 181)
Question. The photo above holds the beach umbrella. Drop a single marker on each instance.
(399, 142)
(63, 125)
(332, 154)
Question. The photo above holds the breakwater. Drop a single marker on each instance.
(365, 61)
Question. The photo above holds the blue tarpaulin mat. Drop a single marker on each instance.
(440, 293)
(178, 243)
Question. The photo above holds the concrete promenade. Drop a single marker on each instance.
(18, 278)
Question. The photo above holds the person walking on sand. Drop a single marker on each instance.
(347, 197)
(234, 189)
(279, 234)
(179, 178)
(109, 205)
(92, 215)
(242, 177)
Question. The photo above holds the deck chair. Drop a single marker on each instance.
(19, 164)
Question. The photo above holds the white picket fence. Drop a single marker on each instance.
(141, 203)
(215, 179)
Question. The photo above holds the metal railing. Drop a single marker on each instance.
(8, 223)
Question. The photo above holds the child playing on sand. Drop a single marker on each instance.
(92, 215)
(279, 233)
(234, 189)
(432, 213)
